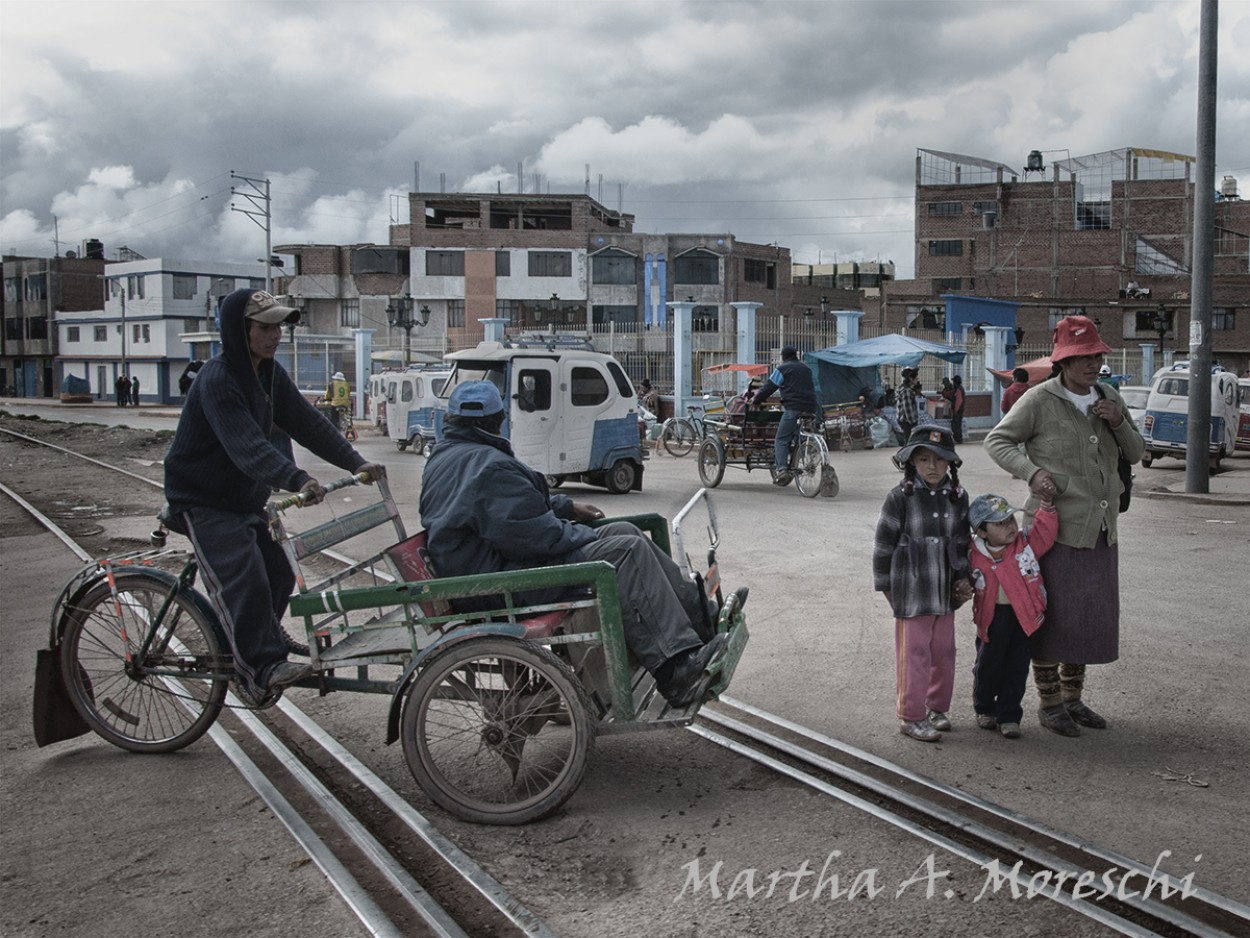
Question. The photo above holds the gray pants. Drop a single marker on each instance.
(658, 604)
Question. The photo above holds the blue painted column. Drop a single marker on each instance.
(364, 367)
(493, 329)
(745, 310)
(683, 360)
(996, 339)
(848, 325)
(1148, 366)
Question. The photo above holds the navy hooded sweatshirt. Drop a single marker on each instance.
(232, 448)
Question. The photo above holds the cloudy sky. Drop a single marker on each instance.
(777, 121)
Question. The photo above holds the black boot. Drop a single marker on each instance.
(684, 678)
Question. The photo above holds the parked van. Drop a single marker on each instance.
(412, 397)
(375, 403)
(1243, 407)
(572, 413)
(1165, 426)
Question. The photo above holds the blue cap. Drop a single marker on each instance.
(474, 399)
(986, 508)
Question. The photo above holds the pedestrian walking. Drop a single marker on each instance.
(134, 391)
(122, 388)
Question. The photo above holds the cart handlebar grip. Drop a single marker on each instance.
(297, 500)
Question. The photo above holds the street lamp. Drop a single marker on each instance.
(399, 314)
(1161, 322)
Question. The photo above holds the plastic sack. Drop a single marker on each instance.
(879, 432)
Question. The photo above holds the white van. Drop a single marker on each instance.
(412, 397)
(375, 402)
(1165, 426)
(572, 413)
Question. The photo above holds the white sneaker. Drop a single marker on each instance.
(919, 729)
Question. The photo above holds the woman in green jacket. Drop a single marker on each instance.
(1073, 434)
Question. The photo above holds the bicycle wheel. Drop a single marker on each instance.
(712, 461)
(679, 437)
(808, 464)
(479, 732)
(171, 697)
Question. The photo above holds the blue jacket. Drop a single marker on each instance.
(232, 448)
(798, 390)
(485, 511)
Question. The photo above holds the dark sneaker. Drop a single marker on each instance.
(1058, 720)
(286, 673)
(256, 699)
(690, 678)
(986, 721)
(1083, 715)
(299, 649)
(783, 478)
(1010, 730)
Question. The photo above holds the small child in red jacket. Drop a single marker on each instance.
(1008, 607)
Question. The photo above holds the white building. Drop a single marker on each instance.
(158, 314)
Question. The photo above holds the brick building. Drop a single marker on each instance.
(1108, 234)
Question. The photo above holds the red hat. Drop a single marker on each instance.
(1077, 335)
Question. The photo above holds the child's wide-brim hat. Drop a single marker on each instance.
(932, 438)
(1077, 335)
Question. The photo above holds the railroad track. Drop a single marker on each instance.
(1020, 857)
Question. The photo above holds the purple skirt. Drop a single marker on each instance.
(1082, 623)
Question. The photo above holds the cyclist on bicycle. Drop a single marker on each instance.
(339, 397)
(798, 398)
(231, 450)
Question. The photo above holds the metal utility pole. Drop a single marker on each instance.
(1198, 436)
(259, 200)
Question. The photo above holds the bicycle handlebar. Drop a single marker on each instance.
(297, 500)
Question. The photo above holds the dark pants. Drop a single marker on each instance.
(957, 426)
(906, 428)
(658, 604)
(1002, 668)
(249, 582)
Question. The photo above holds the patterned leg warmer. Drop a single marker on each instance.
(1072, 681)
(1046, 677)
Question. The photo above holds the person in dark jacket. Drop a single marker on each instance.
(134, 391)
(953, 391)
(122, 387)
(485, 511)
(232, 449)
(798, 397)
(1019, 384)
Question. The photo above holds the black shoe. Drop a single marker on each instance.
(256, 699)
(1058, 720)
(783, 478)
(285, 673)
(690, 679)
(1085, 716)
(299, 649)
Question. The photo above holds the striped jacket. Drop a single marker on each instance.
(921, 548)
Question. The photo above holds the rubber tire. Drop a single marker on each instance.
(808, 464)
(1147, 459)
(712, 461)
(456, 770)
(401, 445)
(427, 450)
(678, 437)
(120, 708)
(620, 479)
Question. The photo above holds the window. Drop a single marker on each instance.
(946, 248)
(1093, 216)
(926, 317)
(946, 208)
(134, 286)
(613, 266)
(444, 263)
(36, 328)
(701, 267)
(349, 313)
(455, 313)
(13, 329)
(1223, 319)
(588, 387)
(503, 263)
(380, 260)
(11, 285)
(623, 387)
(705, 319)
(980, 208)
(533, 390)
(621, 315)
(100, 334)
(37, 287)
(755, 270)
(184, 286)
(946, 284)
(509, 310)
(141, 332)
(1152, 260)
(71, 334)
(550, 264)
(1146, 321)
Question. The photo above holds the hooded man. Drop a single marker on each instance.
(232, 449)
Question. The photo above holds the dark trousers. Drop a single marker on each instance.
(957, 426)
(1002, 668)
(249, 582)
(906, 428)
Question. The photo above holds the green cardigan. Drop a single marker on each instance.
(1080, 452)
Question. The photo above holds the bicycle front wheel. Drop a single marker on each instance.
(485, 734)
(164, 700)
(808, 464)
(679, 437)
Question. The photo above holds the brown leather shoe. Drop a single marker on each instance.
(1085, 716)
(1058, 720)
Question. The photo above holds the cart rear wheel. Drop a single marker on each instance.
(168, 699)
(401, 445)
(678, 437)
(480, 735)
(712, 461)
(808, 463)
(621, 477)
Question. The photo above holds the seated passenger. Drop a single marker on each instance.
(485, 511)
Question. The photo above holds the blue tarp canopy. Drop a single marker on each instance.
(843, 370)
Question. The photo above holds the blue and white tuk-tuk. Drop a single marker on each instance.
(412, 397)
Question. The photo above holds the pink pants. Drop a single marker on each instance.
(924, 650)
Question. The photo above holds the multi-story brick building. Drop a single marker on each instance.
(537, 261)
(1110, 234)
(35, 289)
